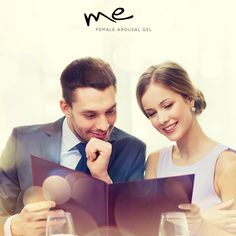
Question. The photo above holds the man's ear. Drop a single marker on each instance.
(65, 107)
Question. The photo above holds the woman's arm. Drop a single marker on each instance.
(151, 165)
(223, 215)
(225, 176)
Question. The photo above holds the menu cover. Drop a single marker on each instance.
(127, 208)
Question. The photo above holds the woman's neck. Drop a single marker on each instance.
(192, 146)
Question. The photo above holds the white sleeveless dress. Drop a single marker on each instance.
(204, 194)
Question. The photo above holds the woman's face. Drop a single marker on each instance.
(168, 111)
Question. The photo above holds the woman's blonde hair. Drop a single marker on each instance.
(174, 77)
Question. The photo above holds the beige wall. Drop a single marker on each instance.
(39, 38)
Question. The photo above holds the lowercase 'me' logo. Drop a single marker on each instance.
(118, 11)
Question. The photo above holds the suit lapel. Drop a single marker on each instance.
(51, 141)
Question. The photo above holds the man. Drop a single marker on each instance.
(89, 105)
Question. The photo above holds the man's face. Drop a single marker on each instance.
(92, 114)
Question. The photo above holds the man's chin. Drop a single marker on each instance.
(104, 138)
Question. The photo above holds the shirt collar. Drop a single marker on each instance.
(69, 139)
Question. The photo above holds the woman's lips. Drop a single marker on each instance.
(170, 128)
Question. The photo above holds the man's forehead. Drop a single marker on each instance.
(95, 109)
(92, 93)
(90, 99)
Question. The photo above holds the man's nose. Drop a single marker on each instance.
(102, 123)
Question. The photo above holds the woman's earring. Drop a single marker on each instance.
(193, 109)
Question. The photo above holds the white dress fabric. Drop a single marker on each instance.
(204, 194)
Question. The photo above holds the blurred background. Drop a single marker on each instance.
(39, 38)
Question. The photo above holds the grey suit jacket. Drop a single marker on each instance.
(126, 163)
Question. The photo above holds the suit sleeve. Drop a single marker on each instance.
(138, 167)
(9, 184)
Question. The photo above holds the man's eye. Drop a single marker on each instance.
(111, 111)
(89, 116)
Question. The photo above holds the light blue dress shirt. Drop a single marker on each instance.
(69, 157)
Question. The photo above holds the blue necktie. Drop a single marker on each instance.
(82, 164)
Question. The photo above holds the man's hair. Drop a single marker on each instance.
(84, 73)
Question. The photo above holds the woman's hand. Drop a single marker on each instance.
(222, 216)
(193, 216)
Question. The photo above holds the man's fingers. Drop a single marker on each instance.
(42, 223)
(92, 156)
(44, 214)
(39, 206)
(38, 224)
(36, 232)
(96, 147)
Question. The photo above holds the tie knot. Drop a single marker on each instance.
(81, 148)
(82, 164)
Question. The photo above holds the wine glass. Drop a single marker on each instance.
(173, 224)
(60, 225)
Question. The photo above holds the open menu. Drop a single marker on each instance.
(128, 208)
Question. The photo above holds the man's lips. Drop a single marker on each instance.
(99, 135)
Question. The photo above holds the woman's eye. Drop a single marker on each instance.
(151, 114)
(168, 106)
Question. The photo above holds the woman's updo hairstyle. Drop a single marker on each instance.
(174, 77)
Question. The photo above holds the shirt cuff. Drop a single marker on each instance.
(7, 226)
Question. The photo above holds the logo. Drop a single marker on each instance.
(114, 16)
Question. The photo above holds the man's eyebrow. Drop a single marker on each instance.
(114, 106)
(88, 111)
(94, 111)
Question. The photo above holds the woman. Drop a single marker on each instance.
(169, 100)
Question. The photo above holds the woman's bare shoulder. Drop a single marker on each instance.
(225, 174)
(227, 159)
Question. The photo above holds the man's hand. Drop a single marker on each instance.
(98, 153)
(31, 221)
